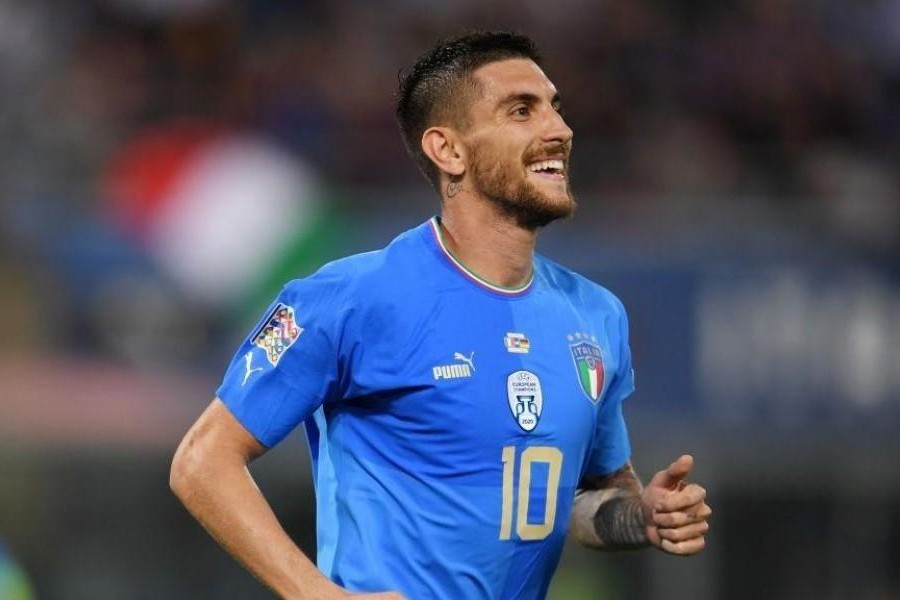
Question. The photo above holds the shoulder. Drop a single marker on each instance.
(361, 277)
(577, 288)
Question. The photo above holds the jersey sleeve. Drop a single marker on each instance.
(611, 447)
(288, 366)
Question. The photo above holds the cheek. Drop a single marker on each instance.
(512, 157)
(501, 146)
(500, 155)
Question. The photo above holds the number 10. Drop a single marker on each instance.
(543, 454)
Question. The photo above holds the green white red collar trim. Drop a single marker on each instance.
(435, 223)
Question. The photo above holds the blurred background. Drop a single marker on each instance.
(166, 164)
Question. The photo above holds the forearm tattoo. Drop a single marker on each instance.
(608, 513)
(619, 523)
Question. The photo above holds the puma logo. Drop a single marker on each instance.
(470, 359)
(248, 358)
(455, 370)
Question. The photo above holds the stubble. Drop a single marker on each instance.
(507, 186)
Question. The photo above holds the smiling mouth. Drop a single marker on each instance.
(552, 168)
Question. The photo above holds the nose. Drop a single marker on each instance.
(556, 129)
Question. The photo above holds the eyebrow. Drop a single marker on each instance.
(528, 98)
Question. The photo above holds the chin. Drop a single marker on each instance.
(531, 203)
(536, 209)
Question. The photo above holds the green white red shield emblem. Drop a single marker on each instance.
(589, 366)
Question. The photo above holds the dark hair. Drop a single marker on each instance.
(438, 87)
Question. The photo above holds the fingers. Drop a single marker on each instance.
(681, 499)
(674, 473)
(685, 548)
(685, 533)
(680, 513)
(691, 514)
(681, 467)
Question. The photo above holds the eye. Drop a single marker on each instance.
(521, 110)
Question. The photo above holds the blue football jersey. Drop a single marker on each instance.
(449, 420)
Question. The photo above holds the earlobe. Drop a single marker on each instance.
(444, 150)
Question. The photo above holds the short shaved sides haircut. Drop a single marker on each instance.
(439, 87)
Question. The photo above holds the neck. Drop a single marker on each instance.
(487, 242)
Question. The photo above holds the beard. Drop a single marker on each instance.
(506, 185)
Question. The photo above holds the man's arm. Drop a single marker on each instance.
(210, 476)
(608, 512)
(615, 512)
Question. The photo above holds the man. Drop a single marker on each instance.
(461, 394)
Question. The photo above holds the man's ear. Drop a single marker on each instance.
(443, 146)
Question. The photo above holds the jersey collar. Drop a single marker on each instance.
(435, 223)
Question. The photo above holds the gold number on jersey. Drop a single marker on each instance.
(553, 458)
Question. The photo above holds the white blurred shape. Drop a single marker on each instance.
(869, 345)
(238, 206)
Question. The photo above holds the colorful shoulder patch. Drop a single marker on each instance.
(278, 332)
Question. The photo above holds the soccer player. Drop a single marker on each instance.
(462, 395)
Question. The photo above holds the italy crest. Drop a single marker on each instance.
(588, 364)
(278, 332)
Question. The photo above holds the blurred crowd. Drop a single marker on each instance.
(686, 114)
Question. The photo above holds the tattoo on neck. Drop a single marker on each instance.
(454, 187)
(619, 523)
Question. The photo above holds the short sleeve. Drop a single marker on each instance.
(612, 448)
(288, 365)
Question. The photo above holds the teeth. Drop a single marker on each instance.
(544, 165)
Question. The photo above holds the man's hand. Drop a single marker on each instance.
(676, 512)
